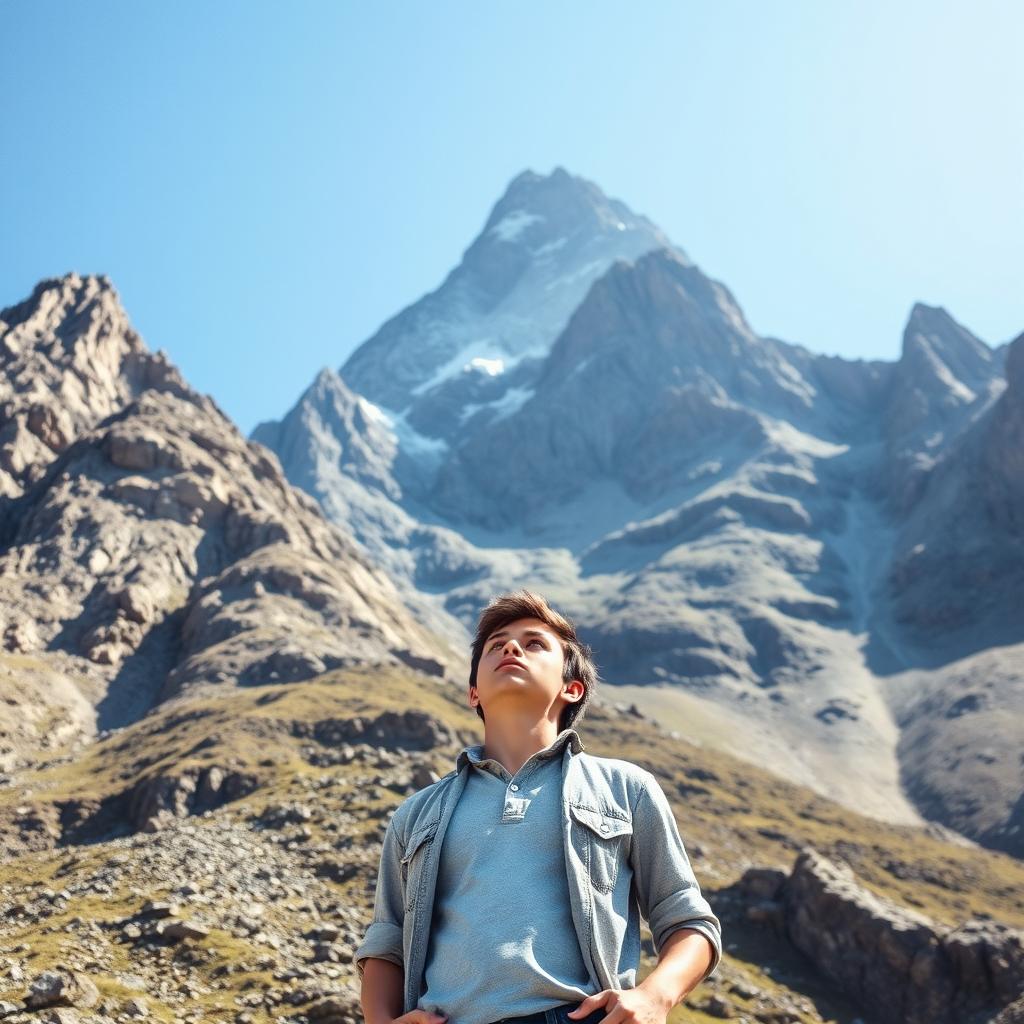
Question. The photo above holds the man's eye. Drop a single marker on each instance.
(499, 643)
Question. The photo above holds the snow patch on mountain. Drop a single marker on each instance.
(548, 248)
(410, 440)
(789, 438)
(492, 367)
(479, 356)
(511, 226)
(372, 411)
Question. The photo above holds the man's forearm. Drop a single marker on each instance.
(382, 991)
(685, 959)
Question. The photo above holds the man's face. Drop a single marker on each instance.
(521, 668)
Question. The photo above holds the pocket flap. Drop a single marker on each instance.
(602, 823)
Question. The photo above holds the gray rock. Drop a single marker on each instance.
(62, 988)
(897, 963)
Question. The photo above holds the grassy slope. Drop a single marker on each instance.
(731, 816)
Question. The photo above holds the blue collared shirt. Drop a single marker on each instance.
(502, 897)
(623, 857)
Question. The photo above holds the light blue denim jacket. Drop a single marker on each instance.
(623, 856)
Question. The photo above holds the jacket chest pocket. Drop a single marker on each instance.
(413, 860)
(606, 840)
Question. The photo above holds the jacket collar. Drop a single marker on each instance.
(567, 737)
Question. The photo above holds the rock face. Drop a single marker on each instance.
(663, 352)
(898, 964)
(155, 801)
(789, 546)
(147, 549)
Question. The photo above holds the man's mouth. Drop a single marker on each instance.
(512, 661)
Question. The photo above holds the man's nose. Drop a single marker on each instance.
(515, 643)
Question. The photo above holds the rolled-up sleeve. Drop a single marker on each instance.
(667, 889)
(383, 939)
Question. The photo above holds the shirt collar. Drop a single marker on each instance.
(568, 736)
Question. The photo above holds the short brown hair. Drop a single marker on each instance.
(578, 657)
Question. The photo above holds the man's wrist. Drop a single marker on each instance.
(658, 992)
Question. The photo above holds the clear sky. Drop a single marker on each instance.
(266, 183)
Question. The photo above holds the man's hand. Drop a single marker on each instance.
(421, 1017)
(628, 1006)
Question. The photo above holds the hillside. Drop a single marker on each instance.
(276, 884)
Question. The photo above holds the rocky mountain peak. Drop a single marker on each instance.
(543, 219)
(671, 325)
(331, 425)
(944, 377)
(940, 353)
(68, 358)
(56, 316)
(477, 341)
(537, 212)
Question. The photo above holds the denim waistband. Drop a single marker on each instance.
(557, 1015)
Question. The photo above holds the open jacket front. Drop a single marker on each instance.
(623, 857)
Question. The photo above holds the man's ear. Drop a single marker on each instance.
(573, 690)
(473, 698)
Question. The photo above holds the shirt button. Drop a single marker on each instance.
(514, 788)
(604, 826)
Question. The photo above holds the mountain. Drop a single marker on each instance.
(730, 518)
(148, 551)
(475, 344)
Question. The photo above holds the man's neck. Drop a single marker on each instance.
(511, 741)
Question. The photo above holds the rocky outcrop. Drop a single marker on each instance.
(68, 358)
(960, 762)
(155, 801)
(62, 988)
(900, 965)
(406, 730)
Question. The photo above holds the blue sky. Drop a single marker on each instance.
(266, 183)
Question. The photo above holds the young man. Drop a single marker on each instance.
(513, 887)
